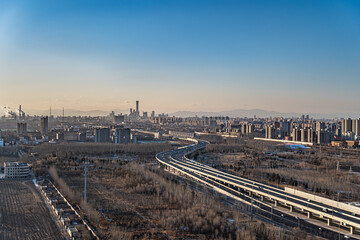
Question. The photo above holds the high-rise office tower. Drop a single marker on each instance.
(270, 132)
(21, 128)
(296, 134)
(323, 137)
(153, 114)
(102, 135)
(356, 126)
(44, 125)
(137, 107)
(243, 129)
(311, 135)
(346, 125)
(303, 135)
(320, 126)
(122, 135)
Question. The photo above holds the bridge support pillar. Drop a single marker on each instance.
(276, 203)
(291, 208)
(329, 222)
(309, 214)
(351, 230)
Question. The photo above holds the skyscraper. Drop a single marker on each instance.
(102, 135)
(21, 128)
(44, 125)
(356, 127)
(122, 135)
(346, 125)
(137, 108)
(320, 126)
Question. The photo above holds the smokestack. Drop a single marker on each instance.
(137, 107)
(20, 113)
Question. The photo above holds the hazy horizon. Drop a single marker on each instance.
(231, 113)
(298, 56)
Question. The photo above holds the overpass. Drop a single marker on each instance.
(246, 190)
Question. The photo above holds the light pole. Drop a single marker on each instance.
(85, 179)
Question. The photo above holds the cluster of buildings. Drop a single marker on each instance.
(216, 124)
(350, 129)
(118, 135)
(113, 132)
(107, 129)
(315, 132)
(134, 115)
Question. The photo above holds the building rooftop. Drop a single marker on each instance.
(14, 164)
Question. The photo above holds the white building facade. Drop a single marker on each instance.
(16, 170)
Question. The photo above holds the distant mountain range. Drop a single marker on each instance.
(231, 113)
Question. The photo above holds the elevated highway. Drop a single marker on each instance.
(250, 191)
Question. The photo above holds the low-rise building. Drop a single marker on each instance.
(16, 170)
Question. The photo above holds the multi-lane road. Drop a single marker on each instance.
(268, 201)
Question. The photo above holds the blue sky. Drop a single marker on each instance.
(298, 56)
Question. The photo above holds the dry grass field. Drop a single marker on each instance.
(23, 214)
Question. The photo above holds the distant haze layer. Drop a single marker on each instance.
(231, 113)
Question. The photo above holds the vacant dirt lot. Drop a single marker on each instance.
(23, 214)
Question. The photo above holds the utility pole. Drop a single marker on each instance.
(85, 179)
(341, 150)
(320, 152)
(251, 207)
(338, 205)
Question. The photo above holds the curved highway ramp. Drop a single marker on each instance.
(267, 202)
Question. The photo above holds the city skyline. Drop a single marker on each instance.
(294, 56)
